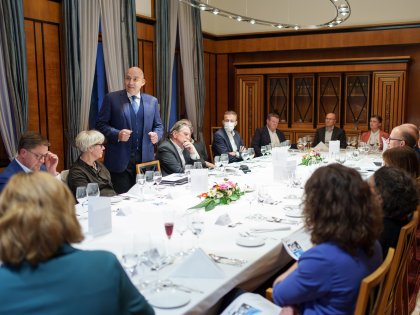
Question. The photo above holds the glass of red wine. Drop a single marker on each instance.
(168, 223)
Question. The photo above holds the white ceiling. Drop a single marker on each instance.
(363, 13)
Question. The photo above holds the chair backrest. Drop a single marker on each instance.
(154, 165)
(211, 157)
(63, 176)
(213, 131)
(398, 270)
(372, 288)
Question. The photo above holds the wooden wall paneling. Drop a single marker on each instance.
(210, 110)
(31, 61)
(148, 67)
(140, 53)
(249, 106)
(42, 10)
(222, 87)
(54, 103)
(40, 73)
(388, 99)
(303, 100)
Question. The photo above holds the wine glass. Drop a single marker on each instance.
(224, 159)
(245, 155)
(81, 195)
(157, 178)
(301, 145)
(217, 162)
(92, 190)
(129, 256)
(181, 226)
(197, 226)
(198, 165)
(340, 158)
(263, 150)
(140, 180)
(268, 149)
(149, 179)
(251, 153)
(168, 218)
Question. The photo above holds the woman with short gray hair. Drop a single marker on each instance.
(87, 168)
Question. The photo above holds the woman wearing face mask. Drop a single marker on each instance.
(227, 140)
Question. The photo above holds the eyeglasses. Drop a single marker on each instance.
(390, 139)
(38, 156)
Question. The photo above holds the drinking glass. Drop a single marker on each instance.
(251, 153)
(140, 180)
(181, 226)
(187, 172)
(244, 155)
(130, 257)
(149, 179)
(224, 159)
(268, 148)
(198, 165)
(301, 145)
(157, 178)
(168, 220)
(81, 195)
(92, 190)
(217, 162)
(263, 150)
(197, 226)
(340, 158)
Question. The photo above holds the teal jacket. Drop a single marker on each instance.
(72, 282)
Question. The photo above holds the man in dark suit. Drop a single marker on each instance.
(330, 132)
(226, 140)
(33, 155)
(177, 151)
(268, 134)
(131, 124)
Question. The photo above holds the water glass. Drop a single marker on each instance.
(92, 190)
(157, 178)
(81, 195)
(149, 179)
(251, 153)
(263, 150)
(198, 165)
(245, 155)
(187, 171)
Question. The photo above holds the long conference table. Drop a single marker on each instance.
(139, 224)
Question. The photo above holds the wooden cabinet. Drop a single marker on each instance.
(303, 101)
(303, 92)
(329, 97)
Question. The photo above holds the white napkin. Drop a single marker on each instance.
(198, 265)
(321, 146)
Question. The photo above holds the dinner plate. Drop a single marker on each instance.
(116, 199)
(250, 241)
(169, 299)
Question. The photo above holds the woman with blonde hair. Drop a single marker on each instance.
(88, 168)
(41, 272)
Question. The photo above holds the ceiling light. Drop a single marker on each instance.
(342, 8)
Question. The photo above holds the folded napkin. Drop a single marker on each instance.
(198, 265)
(322, 147)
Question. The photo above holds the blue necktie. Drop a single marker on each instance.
(135, 105)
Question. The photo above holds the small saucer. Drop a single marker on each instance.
(250, 241)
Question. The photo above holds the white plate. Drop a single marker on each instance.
(116, 199)
(169, 299)
(250, 241)
(293, 211)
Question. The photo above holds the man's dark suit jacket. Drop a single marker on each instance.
(170, 161)
(337, 134)
(262, 137)
(114, 116)
(12, 169)
(221, 144)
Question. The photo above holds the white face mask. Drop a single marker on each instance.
(229, 126)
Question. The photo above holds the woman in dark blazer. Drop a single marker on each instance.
(41, 272)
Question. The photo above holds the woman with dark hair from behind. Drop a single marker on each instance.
(404, 158)
(41, 272)
(399, 198)
(344, 219)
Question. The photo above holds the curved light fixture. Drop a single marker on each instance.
(342, 8)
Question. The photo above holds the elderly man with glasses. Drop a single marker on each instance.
(33, 155)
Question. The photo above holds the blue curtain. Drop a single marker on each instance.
(14, 81)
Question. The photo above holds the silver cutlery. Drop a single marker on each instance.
(280, 220)
(169, 284)
(227, 260)
(231, 225)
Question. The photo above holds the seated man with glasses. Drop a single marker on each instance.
(33, 155)
(87, 169)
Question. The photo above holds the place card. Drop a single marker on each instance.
(199, 180)
(99, 216)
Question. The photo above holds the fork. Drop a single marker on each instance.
(227, 260)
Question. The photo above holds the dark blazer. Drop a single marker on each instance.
(72, 282)
(170, 161)
(114, 116)
(262, 137)
(221, 144)
(337, 134)
(11, 170)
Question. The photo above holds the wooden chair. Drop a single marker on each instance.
(213, 131)
(372, 288)
(395, 296)
(211, 158)
(154, 165)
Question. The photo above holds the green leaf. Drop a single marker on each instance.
(234, 197)
(210, 206)
(202, 204)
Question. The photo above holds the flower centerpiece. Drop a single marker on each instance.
(220, 194)
(313, 156)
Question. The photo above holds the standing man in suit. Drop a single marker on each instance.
(131, 124)
(268, 134)
(226, 140)
(330, 132)
(33, 155)
(177, 151)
